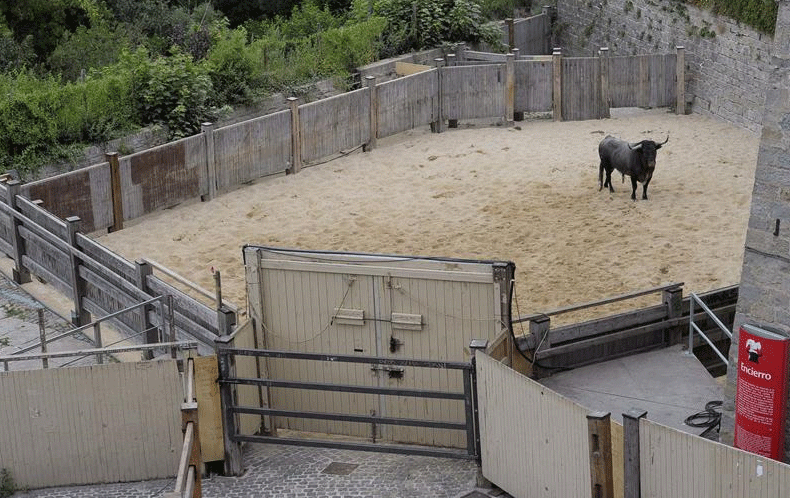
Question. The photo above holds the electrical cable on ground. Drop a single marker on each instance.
(709, 418)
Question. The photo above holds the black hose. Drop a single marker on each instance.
(709, 418)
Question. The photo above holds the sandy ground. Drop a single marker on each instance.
(528, 194)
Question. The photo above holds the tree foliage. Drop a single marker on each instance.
(86, 71)
(430, 23)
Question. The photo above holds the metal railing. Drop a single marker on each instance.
(694, 328)
(227, 380)
(42, 343)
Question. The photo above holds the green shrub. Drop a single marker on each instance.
(759, 14)
(171, 91)
(7, 485)
(231, 67)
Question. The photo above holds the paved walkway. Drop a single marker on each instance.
(294, 472)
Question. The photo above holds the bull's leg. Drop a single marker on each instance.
(644, 189)
(633, 188)
(600, 176)
(608, 182)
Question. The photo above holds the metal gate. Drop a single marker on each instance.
(372, 422)
(381, 307)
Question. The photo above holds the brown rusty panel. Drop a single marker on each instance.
(164, 177)
(66, 195)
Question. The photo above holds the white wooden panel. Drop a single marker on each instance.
(534, 441)
(300, 293)
(82, 425)
(675, 463)
(298, 310)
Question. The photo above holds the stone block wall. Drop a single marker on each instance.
(728, 63)
(764, 295)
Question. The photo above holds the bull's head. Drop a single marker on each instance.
(647, 149)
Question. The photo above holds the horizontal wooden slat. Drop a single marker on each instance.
(184, 304)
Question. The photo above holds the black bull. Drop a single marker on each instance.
(638, 161)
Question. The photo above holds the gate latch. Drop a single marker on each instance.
(393, 372)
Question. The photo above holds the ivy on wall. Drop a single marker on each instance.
(759, 14)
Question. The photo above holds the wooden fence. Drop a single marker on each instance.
(83, 425)
(106, 195)
(98, 281)
(534, 442)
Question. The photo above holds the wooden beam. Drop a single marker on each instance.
(680, 79)
(600, 436)
(557, 66)
(116, 191)
(370, 83)
(207, 129)
(21, 275)
(631, 462)
(296, 137)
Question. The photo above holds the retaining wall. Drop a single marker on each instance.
(727, 63)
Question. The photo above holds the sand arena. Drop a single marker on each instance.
(528, 194)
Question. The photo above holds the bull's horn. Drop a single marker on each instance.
(665, 141)
(635, 146)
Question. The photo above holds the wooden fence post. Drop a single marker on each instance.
(603, 57)
(207, 129)
(503, 274)
(673, 300)
(511, 33)
(510, 88)
(296, 137)
(79, 316)
(115, 190)
(370, 82)
(451, 61)
(680, 107)
(21, 275)
(233, 460)
(600, 432)
(189, 413)
(557, 64)
(460, 53)
(631, 463)
(438, 125)
(144, 270)
(539, 328)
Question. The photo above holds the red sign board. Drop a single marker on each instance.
(761, 393)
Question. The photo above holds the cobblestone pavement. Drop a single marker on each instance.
(295, 472)
(19, 325)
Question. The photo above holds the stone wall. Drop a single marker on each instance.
(727, 63)
(764, 296)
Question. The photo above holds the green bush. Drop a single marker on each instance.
(231, 67)
(759, 14)
(171, 91)
(7, 485)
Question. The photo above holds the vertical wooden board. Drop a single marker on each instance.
(253, 149)
(209, 409)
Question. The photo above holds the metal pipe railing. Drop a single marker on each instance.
(90, 325)
(694, 328)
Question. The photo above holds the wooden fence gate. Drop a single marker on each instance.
(386, 307)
